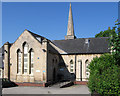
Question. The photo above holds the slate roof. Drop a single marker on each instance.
(36, 35)
(75, 46)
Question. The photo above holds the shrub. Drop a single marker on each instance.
(104, 75)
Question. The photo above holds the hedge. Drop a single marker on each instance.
(104, 75)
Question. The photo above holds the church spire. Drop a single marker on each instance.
(70, 30)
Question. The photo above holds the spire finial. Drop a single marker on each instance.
(70, 30)
(70, 4)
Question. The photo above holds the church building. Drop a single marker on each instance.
(35, 59)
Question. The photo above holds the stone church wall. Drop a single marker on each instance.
(52, 65)
(77, 67)
(39, 74)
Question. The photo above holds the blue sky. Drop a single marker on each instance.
(50, 19)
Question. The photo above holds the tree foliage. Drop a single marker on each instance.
(106, 33)
(115, 44)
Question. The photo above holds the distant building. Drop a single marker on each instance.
(33, 58)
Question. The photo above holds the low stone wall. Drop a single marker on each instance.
(31, 84)
(81, 82)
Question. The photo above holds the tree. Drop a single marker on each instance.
(105, 70)
(106, 33)
(115, 44)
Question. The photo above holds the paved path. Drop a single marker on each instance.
(75, 89)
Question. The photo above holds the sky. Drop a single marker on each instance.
(49, 19)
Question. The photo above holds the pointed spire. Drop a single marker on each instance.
(70, 30)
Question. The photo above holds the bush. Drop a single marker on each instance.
(104, 75)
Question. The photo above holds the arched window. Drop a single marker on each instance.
(56, 61)
(31, 61)
(87, 69)
(53, 61)
(71, 66)
(18, 61)
(79, 67)
(25, 49)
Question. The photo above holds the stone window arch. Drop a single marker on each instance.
(19, 61)
(25, 55)
(31, 61)
(87, 69)
(71, 66)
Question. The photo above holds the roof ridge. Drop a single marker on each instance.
(81, 38)
(96, 45)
